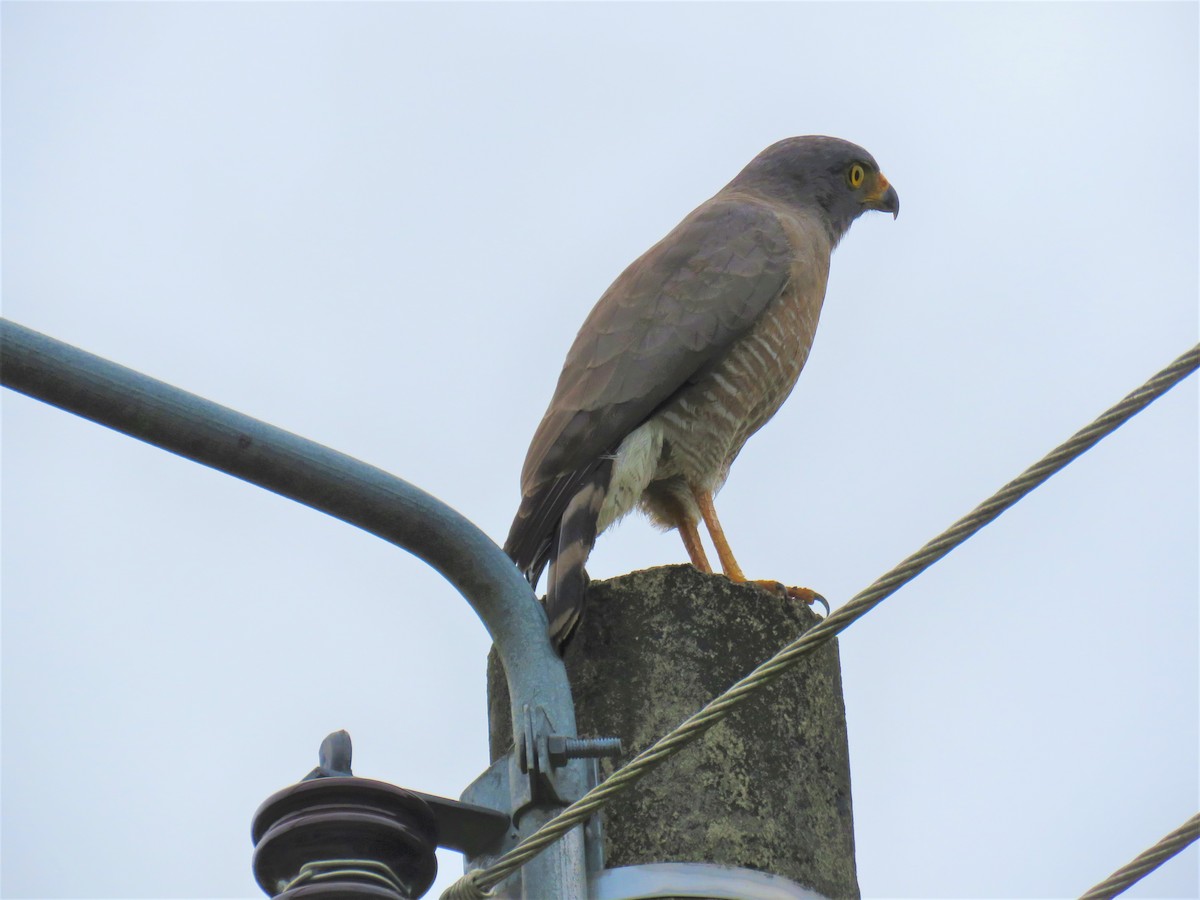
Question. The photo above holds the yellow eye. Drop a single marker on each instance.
(855, 175)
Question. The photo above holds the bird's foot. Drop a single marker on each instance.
(803, 595)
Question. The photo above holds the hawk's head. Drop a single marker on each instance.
(839, 179)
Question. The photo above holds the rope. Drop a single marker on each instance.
(858, 606)
(1146, 862)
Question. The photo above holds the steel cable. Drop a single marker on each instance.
(476, 884)
(1147, 861)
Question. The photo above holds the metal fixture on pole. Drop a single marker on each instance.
(381, 504)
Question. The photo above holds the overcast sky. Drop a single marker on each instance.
(379, 226)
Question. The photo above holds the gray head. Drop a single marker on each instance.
(838, 177)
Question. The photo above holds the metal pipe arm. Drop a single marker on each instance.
(316, 476)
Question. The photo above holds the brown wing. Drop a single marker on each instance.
(668, 316)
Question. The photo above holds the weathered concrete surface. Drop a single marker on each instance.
(768, 788)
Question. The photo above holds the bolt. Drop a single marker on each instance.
(565, 748)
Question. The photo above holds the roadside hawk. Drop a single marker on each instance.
(689, 352)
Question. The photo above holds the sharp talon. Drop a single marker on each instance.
(804, 595)
(808, 596)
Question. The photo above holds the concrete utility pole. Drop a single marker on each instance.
(769, 788)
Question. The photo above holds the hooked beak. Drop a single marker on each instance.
(883, 197)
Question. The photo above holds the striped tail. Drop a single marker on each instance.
(566, 588)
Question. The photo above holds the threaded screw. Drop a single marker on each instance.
(565, 748)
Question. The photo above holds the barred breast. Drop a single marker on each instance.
(706, 424)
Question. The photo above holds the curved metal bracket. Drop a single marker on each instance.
(309, 473)
(324, 479)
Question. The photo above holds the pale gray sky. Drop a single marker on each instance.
(379, 226)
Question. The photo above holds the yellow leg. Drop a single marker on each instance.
(729, 565)
(691, 542)
(732, 570)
